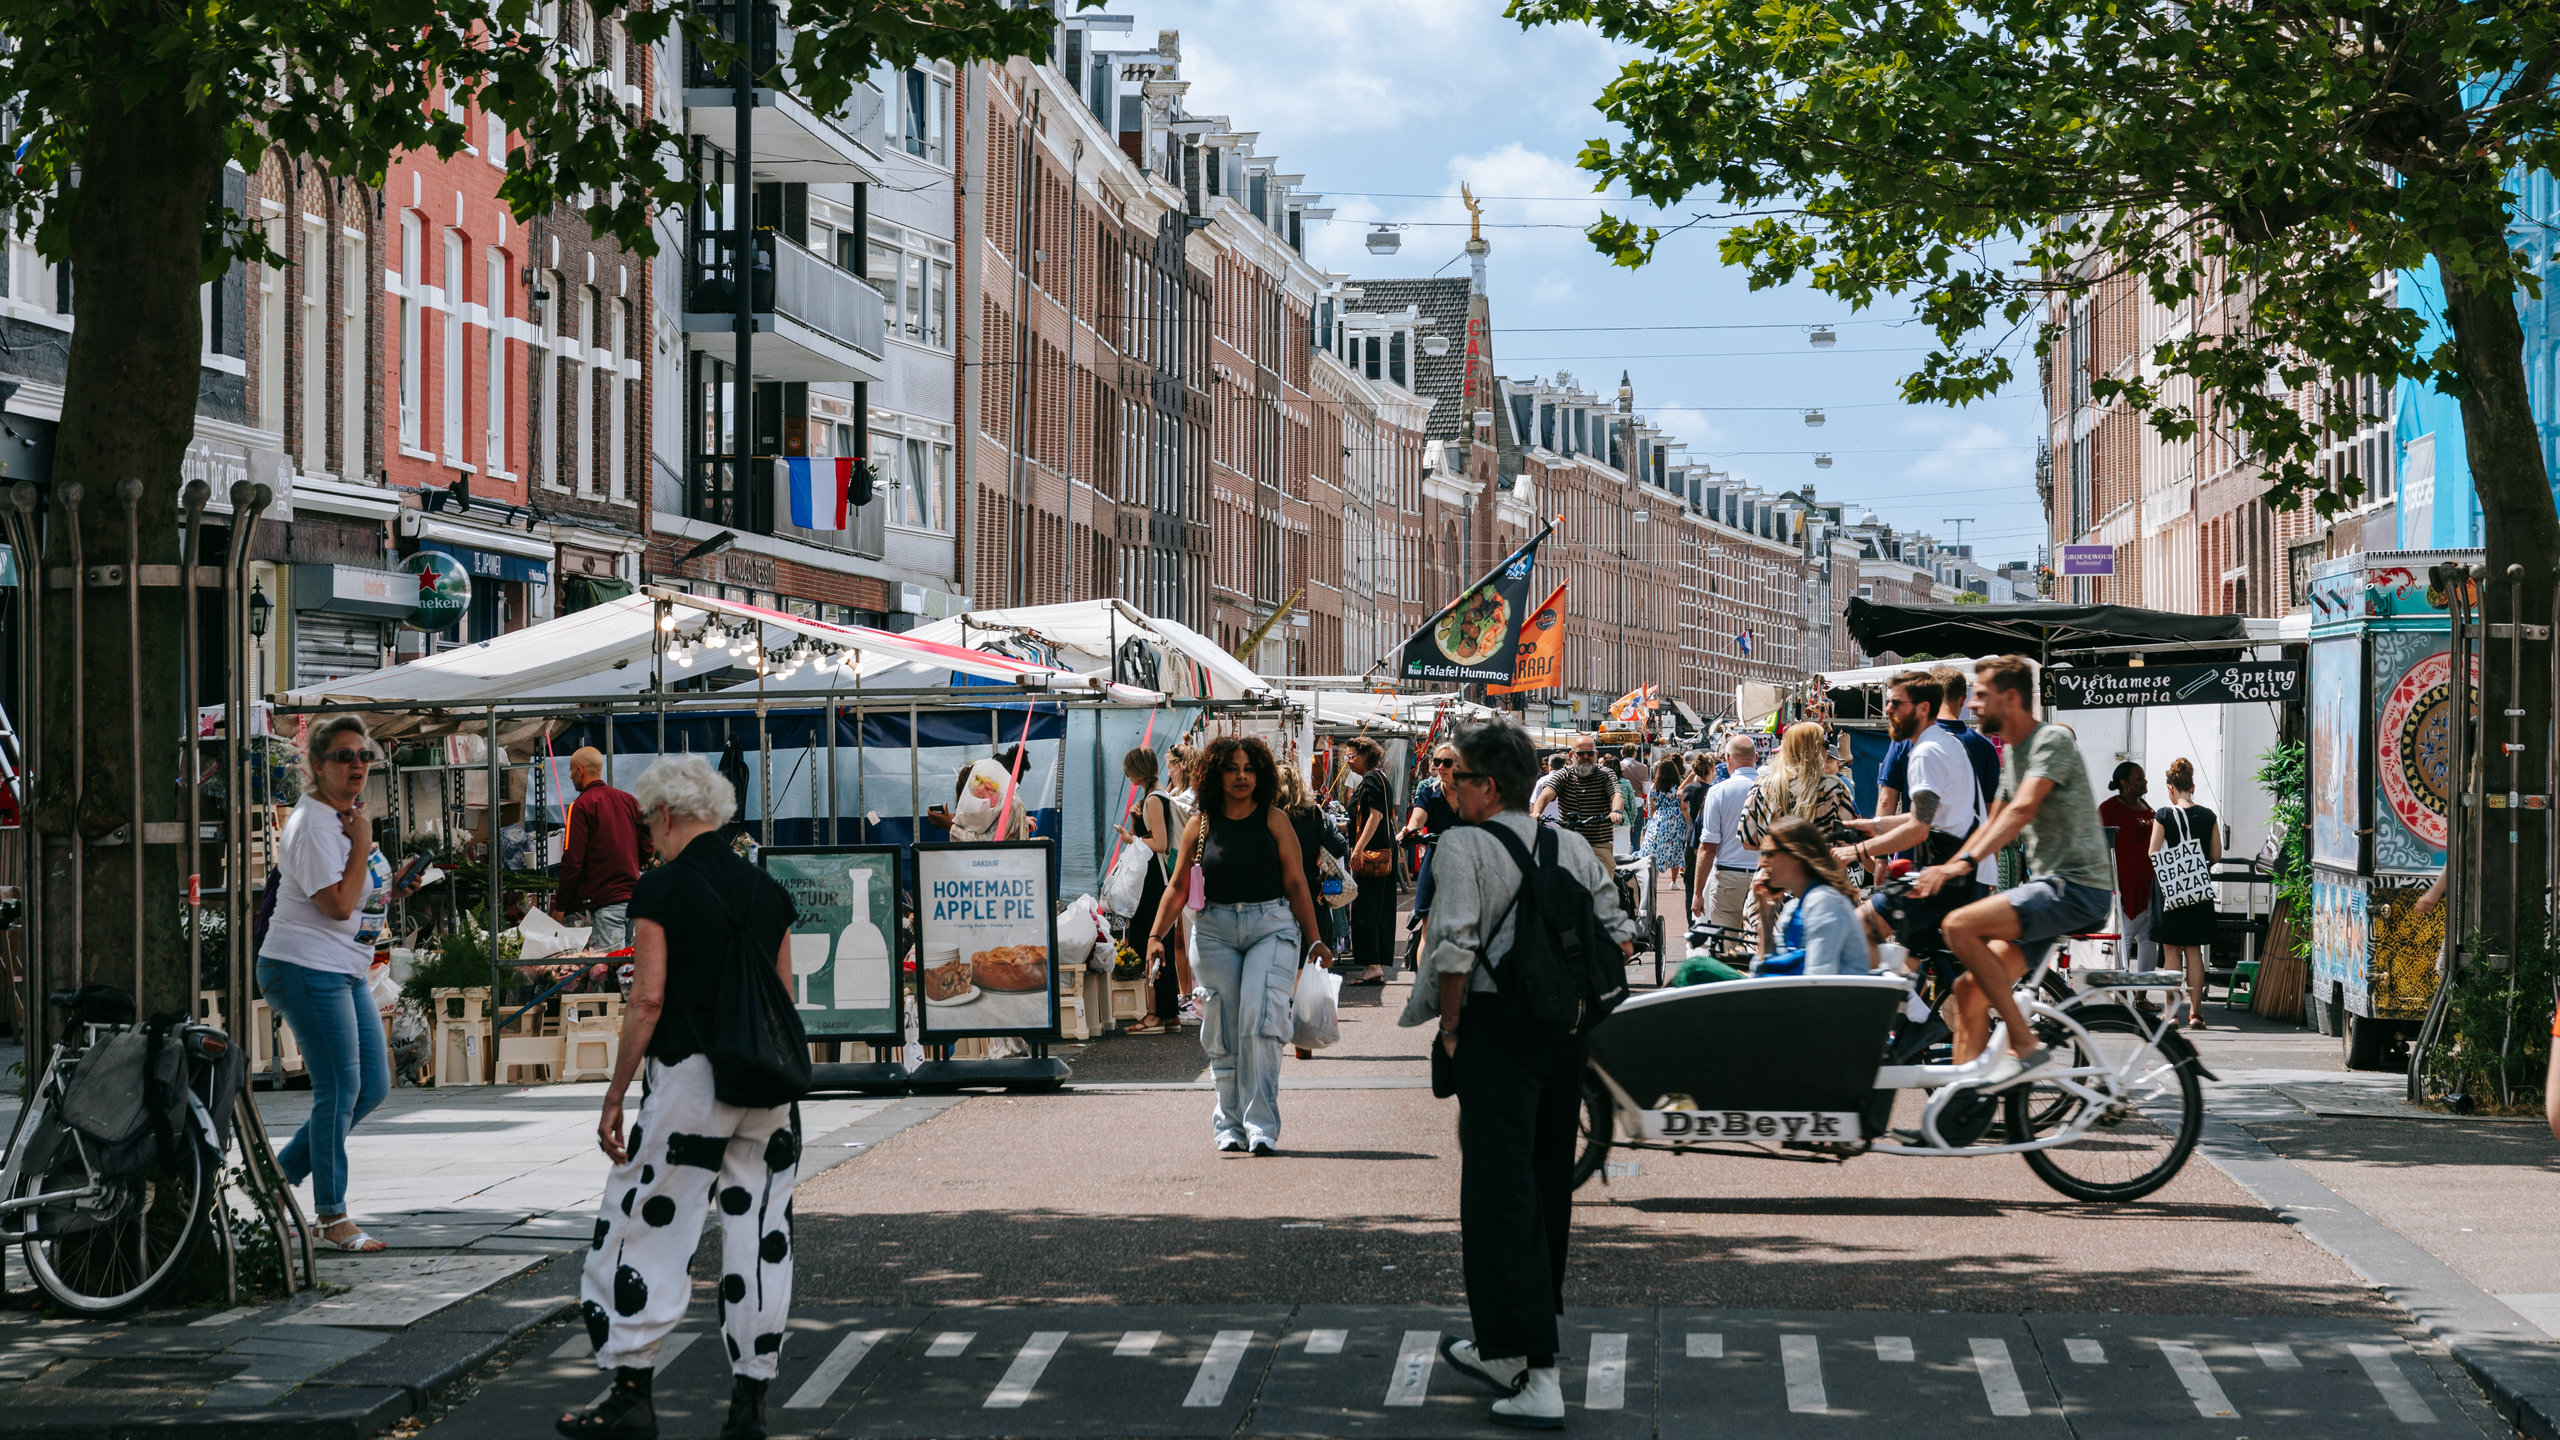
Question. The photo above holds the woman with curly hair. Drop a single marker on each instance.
(1247, 937)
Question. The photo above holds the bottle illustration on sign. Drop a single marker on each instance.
(862, 955)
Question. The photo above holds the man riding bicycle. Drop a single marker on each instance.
(2045, 798)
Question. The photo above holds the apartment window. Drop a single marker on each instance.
(913, 273)
(411, 320)
(614, 436)
(314, 369)
(912, 119)
(914, 475)
(351, 356)
(271, 316)
(546, 459)
(586, 381)
(455, 288)
(495, 436)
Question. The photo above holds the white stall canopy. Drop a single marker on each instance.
(1083, 636)
(610, 649)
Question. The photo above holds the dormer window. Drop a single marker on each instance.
(1395, 358)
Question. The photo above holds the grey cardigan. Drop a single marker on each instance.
(1473, 880)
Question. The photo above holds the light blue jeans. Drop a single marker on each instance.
(340, 1031)
(1247, 959)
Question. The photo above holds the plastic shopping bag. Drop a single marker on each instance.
(1127, 883)
(1078, 925)
(1316, 1013)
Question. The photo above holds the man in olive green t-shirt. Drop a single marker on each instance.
(2045, 799)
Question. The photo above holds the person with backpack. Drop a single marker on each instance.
(692, 918)
(1525, 952)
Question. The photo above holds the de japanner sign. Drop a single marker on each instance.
(2075, 689)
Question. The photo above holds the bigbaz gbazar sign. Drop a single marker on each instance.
(2247, 680)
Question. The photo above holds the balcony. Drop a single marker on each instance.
(756, 498)
(790, 141)
(813, 321)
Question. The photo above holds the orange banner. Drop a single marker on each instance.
(1540, 665)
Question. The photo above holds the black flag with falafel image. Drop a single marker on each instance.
(1476, 640)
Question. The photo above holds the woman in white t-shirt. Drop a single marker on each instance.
(332, 888)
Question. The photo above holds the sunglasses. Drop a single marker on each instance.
(352, 757)
(1442, 764)
(1586, 754)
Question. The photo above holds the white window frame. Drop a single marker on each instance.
(351, 356)
(586, 390)
(456, 286)
(547, 463)
(313, 373)
(616, 440)
(412, 338)
(494, 425)
(271, 312)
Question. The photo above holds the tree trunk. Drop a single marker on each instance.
(2521, 530)
(129, 401)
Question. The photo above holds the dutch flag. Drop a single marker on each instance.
(820, 492)
(1743, 640)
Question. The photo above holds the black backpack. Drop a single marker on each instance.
(1562, 972)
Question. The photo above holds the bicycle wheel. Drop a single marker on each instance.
(110, 1256)
(1598, 1127)
(2144, 1135)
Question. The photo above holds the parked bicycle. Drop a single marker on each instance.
(112, 1169)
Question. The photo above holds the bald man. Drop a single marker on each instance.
(600, 856)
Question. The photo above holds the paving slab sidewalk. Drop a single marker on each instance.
(2444, 1215)
(487, 1196)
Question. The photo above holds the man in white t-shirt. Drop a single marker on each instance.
(1944, 801)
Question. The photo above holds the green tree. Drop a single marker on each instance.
(2259, 161)
(124, 116)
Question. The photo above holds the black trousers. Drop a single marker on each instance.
(1517, 1100)
(1373, 922)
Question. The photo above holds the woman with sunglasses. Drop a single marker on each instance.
(332, 890)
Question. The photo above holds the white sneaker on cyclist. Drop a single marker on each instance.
(2016, 1069)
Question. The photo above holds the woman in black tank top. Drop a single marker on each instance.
(1257, 906)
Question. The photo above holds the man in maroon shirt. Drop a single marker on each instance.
(600, 855)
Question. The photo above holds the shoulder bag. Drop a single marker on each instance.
(2180, 876)
(759, 1052)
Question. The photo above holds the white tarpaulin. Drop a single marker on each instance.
(610, 649)
(1080, 636)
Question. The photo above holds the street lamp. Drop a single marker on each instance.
(1383, 241)
(259, 608)
(1822, 460)
(1824, 337)
(1815, 419)
(1435, 345)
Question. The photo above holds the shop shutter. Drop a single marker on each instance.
(333, 647)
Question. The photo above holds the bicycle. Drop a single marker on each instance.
(99, 1245)
(1815, 1064)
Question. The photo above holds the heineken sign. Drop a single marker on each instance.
(444, 591)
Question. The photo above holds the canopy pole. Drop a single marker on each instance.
(666, 612)
(497, 845)
(915, 782)
(861, 807)
(831, 769)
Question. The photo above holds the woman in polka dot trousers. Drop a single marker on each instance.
(686, 1150)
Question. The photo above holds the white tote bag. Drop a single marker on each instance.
(2180, 876)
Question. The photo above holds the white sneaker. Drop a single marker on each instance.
(1537, 1405)
(2017, 1069)
(1502, 1375)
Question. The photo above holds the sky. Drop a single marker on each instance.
(1387, 107)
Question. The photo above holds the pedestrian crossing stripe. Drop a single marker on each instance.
(1607, 1368)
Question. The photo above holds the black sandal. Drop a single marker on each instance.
(625, 1413)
